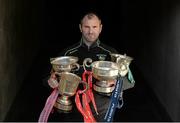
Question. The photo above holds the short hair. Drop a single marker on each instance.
(90, 15)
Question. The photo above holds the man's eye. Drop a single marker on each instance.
(86, 26)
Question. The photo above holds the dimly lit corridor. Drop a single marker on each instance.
(32, 32)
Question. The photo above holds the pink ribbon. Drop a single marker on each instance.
(48, 106)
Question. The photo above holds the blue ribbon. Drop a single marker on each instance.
(114, 102)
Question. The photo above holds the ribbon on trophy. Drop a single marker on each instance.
(90, 95)
(85, 110)
(130, 76)
(114, 102)
(87, 97)
(48, 106)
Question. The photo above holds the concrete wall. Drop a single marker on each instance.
(18, 47)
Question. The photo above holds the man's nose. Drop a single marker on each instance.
(90, 30)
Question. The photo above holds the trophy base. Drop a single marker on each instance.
(63, 108)
(63, 104)
(105, 90)
(61, 111)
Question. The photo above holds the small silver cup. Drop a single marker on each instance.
(123, 62)
(64, 63)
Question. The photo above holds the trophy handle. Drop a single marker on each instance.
(86, 85)
(57, 73)
(75, 67)
(123, 66)
(51, 59)
(123, 69)
(87, 60)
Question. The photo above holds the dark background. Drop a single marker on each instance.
(147, 30)
(61, 22)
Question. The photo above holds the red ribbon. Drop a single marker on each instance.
(85, 110)
(87, 97)
(89, 91)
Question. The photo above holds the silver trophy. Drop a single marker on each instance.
(106, 73)
(68, 82)
(123, 62)
(65, 63)
(68, 85)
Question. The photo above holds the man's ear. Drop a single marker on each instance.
(101, 27)
(80, 28)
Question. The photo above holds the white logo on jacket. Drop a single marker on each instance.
(101, 57)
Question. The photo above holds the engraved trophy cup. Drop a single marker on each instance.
(64, 63)
(63, 66)
(105, 72)
(68, 84)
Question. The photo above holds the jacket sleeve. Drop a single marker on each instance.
(127, 84)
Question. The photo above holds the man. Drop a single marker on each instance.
(90, 47)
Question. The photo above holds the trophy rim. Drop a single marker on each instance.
(105, 73)
(116, 55)
(58, 60)
(94, 65)
(69, 73)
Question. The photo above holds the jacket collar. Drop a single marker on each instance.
(95, 44)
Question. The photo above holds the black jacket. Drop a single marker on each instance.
(97, 51)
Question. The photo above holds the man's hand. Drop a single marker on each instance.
(52, 81)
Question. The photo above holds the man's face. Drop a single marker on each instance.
(91, 28)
